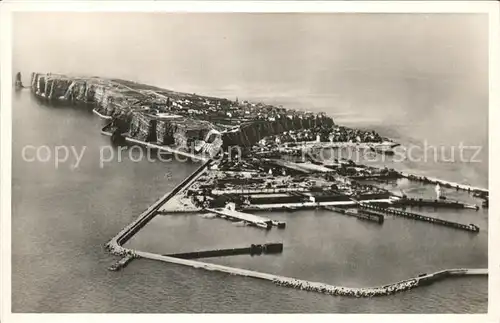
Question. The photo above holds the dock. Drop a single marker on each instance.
(435, 203)
(420, 217)
(361, 214)
(230, 213)
(254, 249)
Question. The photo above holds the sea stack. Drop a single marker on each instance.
(18, 83)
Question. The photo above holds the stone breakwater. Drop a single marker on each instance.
(346, 291)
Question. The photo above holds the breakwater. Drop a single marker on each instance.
(123, 262)
(254, 249)
(116, 243)
(318, 287)
(420, 217)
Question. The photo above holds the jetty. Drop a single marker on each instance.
(360, 214)
(441, 203)
(254, 249)
(420, 217)
(230, 212)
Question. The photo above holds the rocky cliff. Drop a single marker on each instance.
(251, 133)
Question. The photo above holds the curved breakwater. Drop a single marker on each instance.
(319, 287)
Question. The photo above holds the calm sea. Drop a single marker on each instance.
(62, 216)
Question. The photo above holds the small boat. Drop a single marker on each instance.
(383, 150)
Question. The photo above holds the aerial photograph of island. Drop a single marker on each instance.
(249, 162)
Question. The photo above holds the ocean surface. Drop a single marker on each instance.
(63, 215)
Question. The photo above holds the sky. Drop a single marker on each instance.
(232, 49)
(396, 65)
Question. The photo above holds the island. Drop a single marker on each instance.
(254, 158)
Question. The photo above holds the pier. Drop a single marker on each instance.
(254, 249)
(361, 214)
(435, 203)
(229, 212)
(420, 217)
